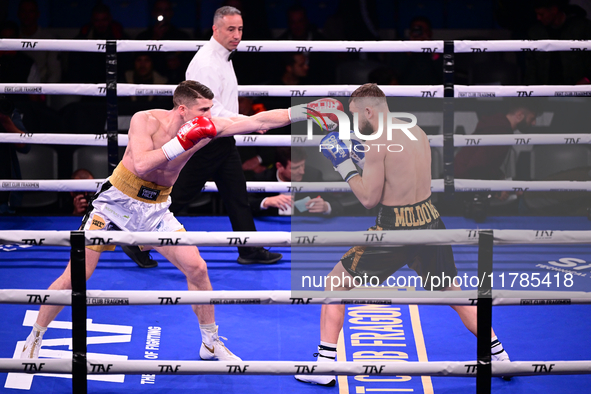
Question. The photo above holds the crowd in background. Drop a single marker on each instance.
(352, 20)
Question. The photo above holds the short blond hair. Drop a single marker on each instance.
(368, 90)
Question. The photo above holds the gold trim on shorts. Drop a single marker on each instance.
(359, 250)
(131, 185)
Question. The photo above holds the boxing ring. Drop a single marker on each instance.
(84, 365)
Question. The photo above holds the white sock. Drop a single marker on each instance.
(326, 352)
(496, 347)
(207, 332)
(39, 329)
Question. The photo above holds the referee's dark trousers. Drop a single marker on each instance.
(219, 160)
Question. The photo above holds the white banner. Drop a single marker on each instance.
(245, 46)
(33, 237)
(34, 296)
(181, 367)
(468, 46)
(460, 46)
(126, 89)
(39, 365)
(508, 237)
(308, 238)
(437, 186)
(472, 185)
(23, 44)
(336, 90)
(464, 91)
(359, 296)
(302, 140)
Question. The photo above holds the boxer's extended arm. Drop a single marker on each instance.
(276, 118)
(262, 121)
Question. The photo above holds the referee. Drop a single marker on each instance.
(220, 160)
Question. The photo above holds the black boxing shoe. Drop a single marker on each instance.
(142, 259)
(260, 256)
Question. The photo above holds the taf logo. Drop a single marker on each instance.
(169, 300)
(37, 299)
(29, 44)
(296, 301)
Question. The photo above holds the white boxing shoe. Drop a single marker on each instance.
(216, 350)
(321, 380)
(32, 345)
(501, 356)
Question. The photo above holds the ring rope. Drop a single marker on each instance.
(437, 186)
(302, 140)
(287, 297)
(299, 238)
(460, 46)
(98, 366)
(427, 91)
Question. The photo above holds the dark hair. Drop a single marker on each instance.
(188, 91)
(513, 104)
(423, 19)
(34, 2)
(289, 59)
(368, 90)
(297, 8)
(82, 173)
(284, 155)
(10, 25)
(101, 9)
(560, 4)
(225, 11)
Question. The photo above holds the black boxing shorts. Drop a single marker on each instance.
(426, 260)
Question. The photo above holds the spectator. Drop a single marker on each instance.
(559, 21)
(143, 73)
(354, 20)
(291, 167)
(10, 122)
(47, 62)
(16, 67)
(484, 162)
(163, 29)
(87, 67)
(294, 71)
(254, 158)
(80, 199)
(414, 68)
(300, 28)
(383, 76)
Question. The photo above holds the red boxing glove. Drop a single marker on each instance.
(315, 110)
(188, 135)
(331, 103)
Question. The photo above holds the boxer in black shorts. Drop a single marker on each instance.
(397, 180)
(426, 260)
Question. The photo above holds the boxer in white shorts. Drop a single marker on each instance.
(136, 196)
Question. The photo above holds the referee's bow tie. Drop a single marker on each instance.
(231, 55)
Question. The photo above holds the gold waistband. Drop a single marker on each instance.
(136, 188)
